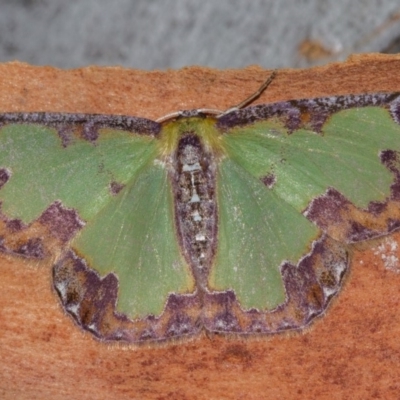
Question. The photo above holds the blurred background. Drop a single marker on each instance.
(160, 34)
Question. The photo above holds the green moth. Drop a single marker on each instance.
(235, 222)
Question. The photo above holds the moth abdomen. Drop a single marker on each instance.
(193, 181)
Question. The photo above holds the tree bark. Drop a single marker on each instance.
(353, 351)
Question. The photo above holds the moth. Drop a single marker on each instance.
(233, 222)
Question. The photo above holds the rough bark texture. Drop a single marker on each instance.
(352, 352)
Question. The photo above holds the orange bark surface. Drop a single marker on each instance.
(351, 352)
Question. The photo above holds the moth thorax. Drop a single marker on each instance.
(193, 176)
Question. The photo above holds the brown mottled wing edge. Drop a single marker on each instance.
(317, 110)
(90, 123)
(91, 300)
(56, 226)
(310, 285)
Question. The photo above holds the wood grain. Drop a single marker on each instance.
(352, 352)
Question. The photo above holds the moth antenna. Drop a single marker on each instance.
(254, 96)
(219, 113)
